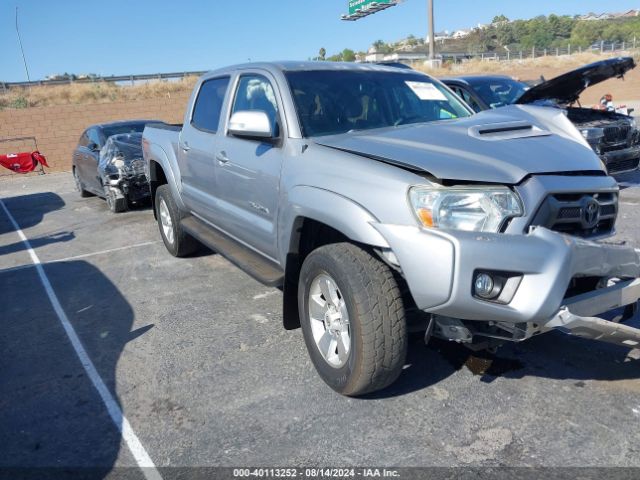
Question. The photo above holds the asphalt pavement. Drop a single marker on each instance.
(193, 353)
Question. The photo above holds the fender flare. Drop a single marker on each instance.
(156, 153)
(338, 212)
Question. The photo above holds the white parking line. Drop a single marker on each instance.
(84, 255)
(103, 252)
(137, 450)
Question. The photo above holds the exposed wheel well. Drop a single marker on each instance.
(157, 178)
(307, 235)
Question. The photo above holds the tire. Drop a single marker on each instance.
(79, 185)
(115, 204)
(367, 293)
(178, 242)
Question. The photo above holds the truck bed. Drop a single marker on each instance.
(165, 126)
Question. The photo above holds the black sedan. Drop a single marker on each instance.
(120, 187)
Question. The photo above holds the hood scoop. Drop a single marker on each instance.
(506, 131)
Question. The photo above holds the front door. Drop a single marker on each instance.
(248, 171)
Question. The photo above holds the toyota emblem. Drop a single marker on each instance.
(591, 213)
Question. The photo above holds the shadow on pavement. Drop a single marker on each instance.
(627, 180)
(30, 209)
(553, 355)
(50, 413)
(37, 242)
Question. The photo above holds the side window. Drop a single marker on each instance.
(466, 96)
(206, 111)
(94, 136)
(256, 93)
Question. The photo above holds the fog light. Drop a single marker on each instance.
(484, 285)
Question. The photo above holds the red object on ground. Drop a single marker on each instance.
(24, 162)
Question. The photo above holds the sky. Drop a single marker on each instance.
(122, 37)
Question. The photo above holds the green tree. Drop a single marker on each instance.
(348, 55)
(499, 19)
(587, 32)
(322, 53)
(382, 47)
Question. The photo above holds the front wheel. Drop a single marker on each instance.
(116, 204)
(178, 242)
(352, 318)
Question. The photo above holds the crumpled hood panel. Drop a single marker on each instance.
(449, 151)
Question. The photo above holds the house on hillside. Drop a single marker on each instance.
(608, 16)
(442, 36)
(595, 16)
(461, 33)
(627, 14)
(373, 55)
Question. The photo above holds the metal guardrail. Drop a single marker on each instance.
(5, 86)
(600, 47)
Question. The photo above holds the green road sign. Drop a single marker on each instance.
(362, 8)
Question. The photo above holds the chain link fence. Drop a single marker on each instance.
(602, 47)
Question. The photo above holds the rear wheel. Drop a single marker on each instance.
(352, 318)
(79, 185)
(178, 242)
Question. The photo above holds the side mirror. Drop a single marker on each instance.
(94, 147)
(250, 124)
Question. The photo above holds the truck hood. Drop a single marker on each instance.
(497, 146)
(567, 88)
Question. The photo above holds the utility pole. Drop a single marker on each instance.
(432, 33)
(21, 49)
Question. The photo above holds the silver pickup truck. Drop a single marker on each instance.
(380, 204)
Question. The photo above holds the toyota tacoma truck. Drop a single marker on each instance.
(380, 204)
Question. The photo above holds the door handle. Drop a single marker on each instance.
(185, 147)
(222, 158)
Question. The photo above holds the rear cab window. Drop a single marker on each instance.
(208, 104)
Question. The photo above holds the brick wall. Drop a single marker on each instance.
(58, 128)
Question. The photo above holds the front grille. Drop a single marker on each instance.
(616, 133)
(624, 165)
(580, 214)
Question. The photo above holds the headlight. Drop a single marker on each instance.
(592, 133)
(477, 209)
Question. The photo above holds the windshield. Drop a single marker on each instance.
(331, 102)
(498, 92)
(136, 127)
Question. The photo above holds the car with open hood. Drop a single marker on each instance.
(613, 136)
(380, 204)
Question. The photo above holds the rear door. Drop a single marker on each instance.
(248, 171)
(86, 158)
(78, 156)
(197, 148)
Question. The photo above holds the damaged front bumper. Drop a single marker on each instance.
(622, 161)
(578, 317)
(133, 186)
(440, 268)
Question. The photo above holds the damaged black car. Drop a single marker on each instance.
(121, 170)
(613, 136)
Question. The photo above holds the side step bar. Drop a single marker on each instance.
(577, 316)
(252, 263)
